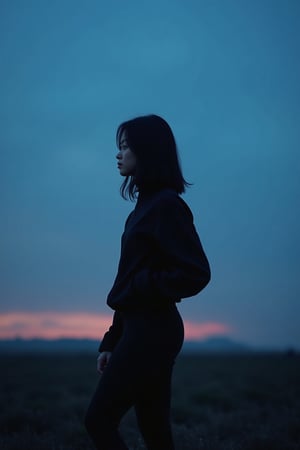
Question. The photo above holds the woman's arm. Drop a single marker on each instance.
(112, 336)
(187, 271)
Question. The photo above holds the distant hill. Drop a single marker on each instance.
(46, 345)
(213, 344)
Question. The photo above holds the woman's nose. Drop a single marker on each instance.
(118, 155)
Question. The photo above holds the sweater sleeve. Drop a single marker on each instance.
(187, 269)
(112, 336)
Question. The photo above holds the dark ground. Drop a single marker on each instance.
(220, 402)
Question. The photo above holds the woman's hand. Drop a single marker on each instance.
(102, 361)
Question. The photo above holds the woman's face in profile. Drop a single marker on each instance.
(126, 158)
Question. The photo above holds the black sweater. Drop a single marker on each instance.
(162, 260)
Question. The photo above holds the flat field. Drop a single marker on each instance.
(220, 402)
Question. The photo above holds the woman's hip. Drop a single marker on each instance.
(160, 332)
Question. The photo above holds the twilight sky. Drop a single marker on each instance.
(225, 75)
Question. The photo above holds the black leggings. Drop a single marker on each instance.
(138, 374)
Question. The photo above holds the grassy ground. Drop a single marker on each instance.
(245, 402)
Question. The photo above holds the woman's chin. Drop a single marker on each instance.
(124, 173)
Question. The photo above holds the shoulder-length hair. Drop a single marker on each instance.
(152, 141)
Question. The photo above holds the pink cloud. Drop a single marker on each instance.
(202, 330)
(53, 325)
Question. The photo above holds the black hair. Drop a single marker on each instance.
(152, 141)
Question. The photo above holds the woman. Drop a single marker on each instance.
(162, 261)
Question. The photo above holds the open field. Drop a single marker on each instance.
(220, 402)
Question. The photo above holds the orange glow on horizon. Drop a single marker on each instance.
(81, 325)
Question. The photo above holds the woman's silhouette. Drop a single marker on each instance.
(161, 262)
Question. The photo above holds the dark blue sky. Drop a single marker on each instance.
(225, 75)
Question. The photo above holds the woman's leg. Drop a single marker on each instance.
(163, 340)
(112, 399)
(134, 376)
(153, 411)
